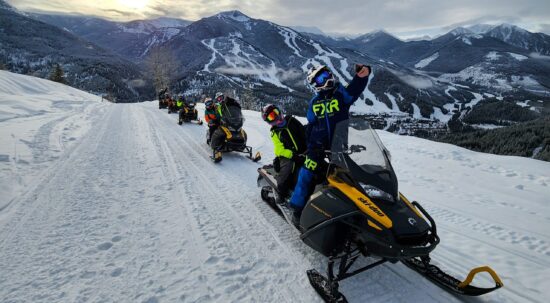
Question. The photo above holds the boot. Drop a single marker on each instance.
(296, 214)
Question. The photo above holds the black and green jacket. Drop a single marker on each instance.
(289, 139)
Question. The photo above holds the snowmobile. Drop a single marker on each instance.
(234, 136)
(172, 106)
(189, 113)
(356, 210)
(163, 103)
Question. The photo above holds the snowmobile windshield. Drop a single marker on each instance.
(357, 148)
(232, 116)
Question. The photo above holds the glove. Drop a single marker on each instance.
(359, 67)
(277, 164)
(297, 158)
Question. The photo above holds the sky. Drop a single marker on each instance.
(404, 18)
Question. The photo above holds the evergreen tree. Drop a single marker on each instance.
(57, 74)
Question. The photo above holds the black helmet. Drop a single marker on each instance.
(272, 114)
(208, 103)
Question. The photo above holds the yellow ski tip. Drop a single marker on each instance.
(481, 269)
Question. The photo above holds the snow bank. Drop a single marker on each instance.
(39, 119)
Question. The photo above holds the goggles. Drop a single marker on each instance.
(322, 78)
(273, 116)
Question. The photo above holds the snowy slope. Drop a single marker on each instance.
(39, 120)
(134, 211)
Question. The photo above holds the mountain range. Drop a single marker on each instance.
(29, 46)
(260, 62)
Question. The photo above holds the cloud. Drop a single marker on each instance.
(283, 75)
(347, 16)
(418, 82)
(136, 83)
(539, 56)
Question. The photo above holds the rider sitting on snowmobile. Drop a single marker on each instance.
(211, 116)
(162, 94)
(288, 136)
(180, 102)
(222, 100)
(217, 137)
(329, 106)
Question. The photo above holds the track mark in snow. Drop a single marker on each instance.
(495, 231)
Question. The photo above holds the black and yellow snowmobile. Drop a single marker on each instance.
(230, 135)
(188, 113)
(357, 211)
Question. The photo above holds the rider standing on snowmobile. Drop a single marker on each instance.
(288, 136)
(211, 116)
(329, 106)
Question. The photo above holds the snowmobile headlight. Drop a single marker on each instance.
(375, 192)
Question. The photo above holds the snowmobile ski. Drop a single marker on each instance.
(435, 274)
(257, 157)
(269, 198)
(216, 156)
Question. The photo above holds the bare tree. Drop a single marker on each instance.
(163, 66)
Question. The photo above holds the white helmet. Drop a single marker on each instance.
(321, 78)
(218, 95)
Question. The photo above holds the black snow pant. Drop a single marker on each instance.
(217, 138)
(286, 176)
(211, 129)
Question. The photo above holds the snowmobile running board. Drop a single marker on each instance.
(449, 283)
(248, 151)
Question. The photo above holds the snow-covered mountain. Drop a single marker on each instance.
(260, 61)
(33, 47)
(117, 202)
(511, 34)
(131, 40)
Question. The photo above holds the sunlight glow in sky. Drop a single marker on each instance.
(134, 4)
(405, 18)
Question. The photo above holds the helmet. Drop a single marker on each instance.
(272, 114)
(321, 78)
(208, 103)
(219, 97)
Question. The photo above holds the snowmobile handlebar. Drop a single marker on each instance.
(356, 148)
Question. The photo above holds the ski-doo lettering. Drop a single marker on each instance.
(362, 201)
(370, 205)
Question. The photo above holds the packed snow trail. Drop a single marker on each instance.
(138, 212)
(130, 215)
(118, 203)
